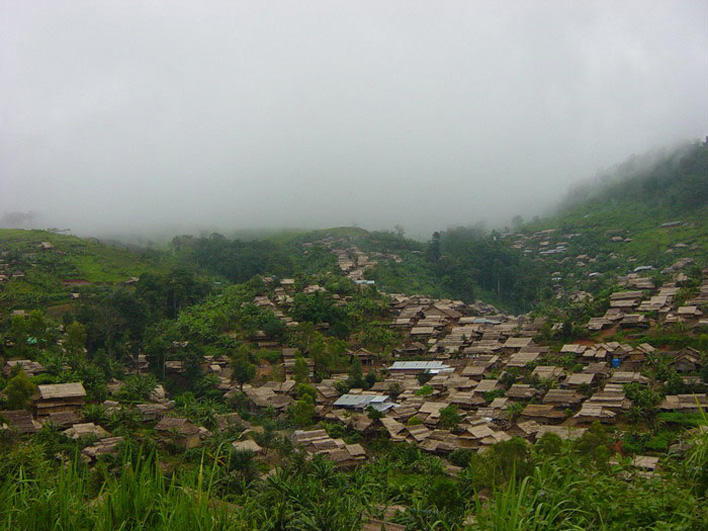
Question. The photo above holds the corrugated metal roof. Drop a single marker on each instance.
(422, 365)
(362, 401)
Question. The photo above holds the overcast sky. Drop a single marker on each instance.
(241, 114)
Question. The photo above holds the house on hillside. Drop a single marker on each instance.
(59, 398)
(28, 366)
(179, 431)
(543, 412)
(20, 420)
(364, 400)
(418, 367)
(687, 360)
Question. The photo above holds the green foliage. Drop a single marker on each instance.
(549, 444)
(489, 396)
(302, 371)
(319, 308)
(374, 414)
(243, 371)
(18, 391)
(235, 260)
(461, 457)
(423, 377)
(18, 334)
(594, 443)
(75, 340)
(303, 411)
(424, 391)
(563, 493)
(137, 387)
(356, 375)
(72, 258)
(514, 410)
(644, 401)
(305, 390)
(445, 495)
(690, 420)
(449, 417)
(394, 389)
(497, 465)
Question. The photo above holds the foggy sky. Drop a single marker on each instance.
(116, 116)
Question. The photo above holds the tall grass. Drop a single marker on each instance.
(567, 491)
(548, 488)
(139, 497)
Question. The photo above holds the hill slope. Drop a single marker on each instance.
(649, 212)
(40, 267)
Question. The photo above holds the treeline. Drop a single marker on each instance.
(464, 257)
(235, 260)
(468, 263)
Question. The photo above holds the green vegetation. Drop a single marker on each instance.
(553, 484)
(45, 271)
(18, 391)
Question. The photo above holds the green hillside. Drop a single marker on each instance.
(650, 211)
(638, 198)
(34, 275)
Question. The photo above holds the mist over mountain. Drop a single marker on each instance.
(129, 118)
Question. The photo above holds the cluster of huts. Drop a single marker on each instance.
(470, 362)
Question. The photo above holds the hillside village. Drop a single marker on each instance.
(462, 376)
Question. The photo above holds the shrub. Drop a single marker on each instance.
(424, 377)
(461, 457)
(549, 444)
(449, 417)
(424, 391)
(19, 390)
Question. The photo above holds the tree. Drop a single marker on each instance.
(423, 377)
(303, 411)
(36, 324)
(374, 414)
(449, 417)
(356, 375)
(18, 334)
(302, 371)
(19, 390)
(394, 389)
(75, 340)
(274, 327)
(434, 248)
(243, 371)
(370, 379)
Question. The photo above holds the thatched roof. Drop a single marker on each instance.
(64, 390)
(181, 426)
(20, 420)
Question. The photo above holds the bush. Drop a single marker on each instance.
(449, 417)
(445, 495)
(549, 444)
(461, 457)
(137, 387)
(424, 377)
(19, 390)
(424, 391)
